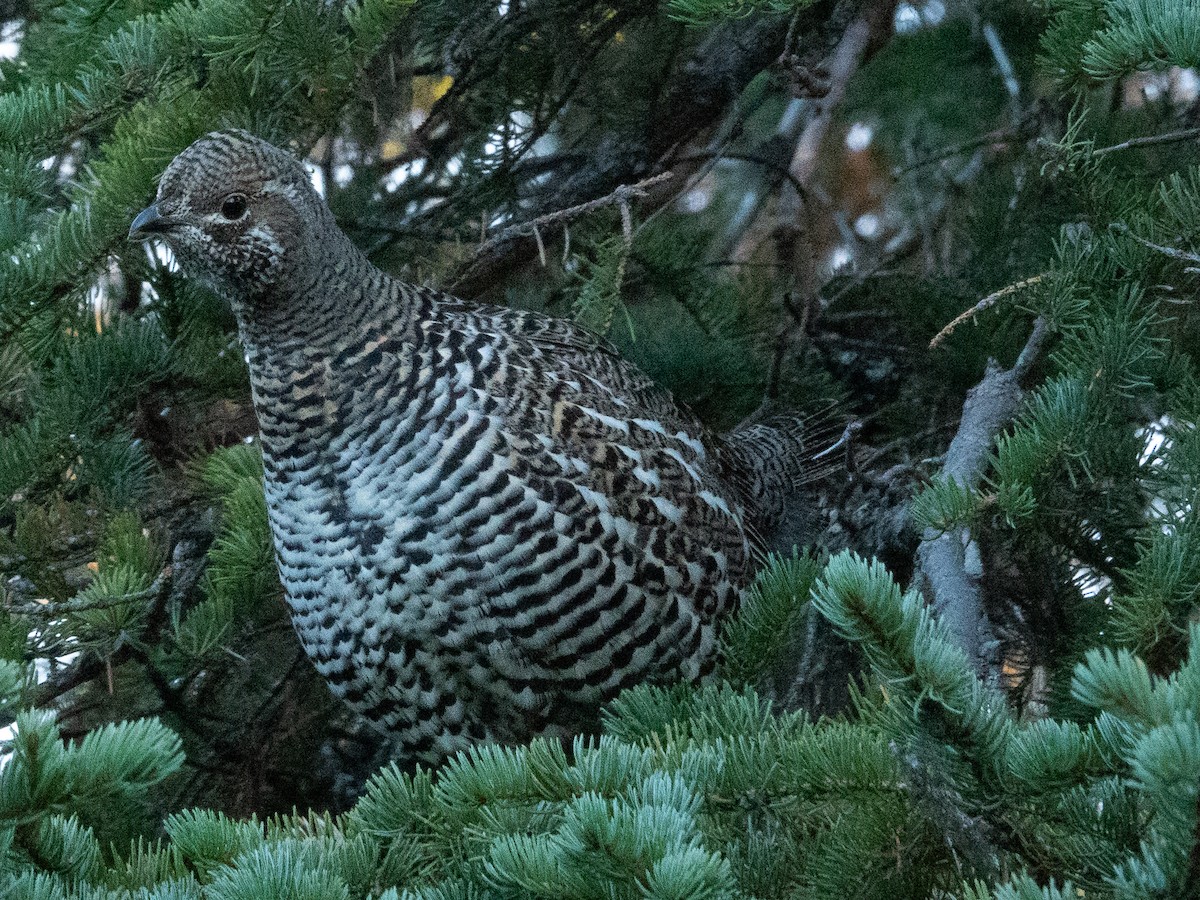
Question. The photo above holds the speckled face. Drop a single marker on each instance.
(229, 206)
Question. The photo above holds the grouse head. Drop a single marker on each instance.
(240, 214)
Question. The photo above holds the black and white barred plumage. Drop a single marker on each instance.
(487, 523)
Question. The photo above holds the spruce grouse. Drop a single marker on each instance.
(487, 523)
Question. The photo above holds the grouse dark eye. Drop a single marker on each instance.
(234, 206)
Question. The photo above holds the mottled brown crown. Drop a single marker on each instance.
(241, 214)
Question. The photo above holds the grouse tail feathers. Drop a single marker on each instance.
(770, 457)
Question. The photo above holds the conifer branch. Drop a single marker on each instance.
(949, 562)
(986, 303)
(619, 196)
(1192, 878)
(719, 67)
(87, 667)
(778, 166)
(1150, 140)
(935, 786)
(1173, 252)
(1020, 131)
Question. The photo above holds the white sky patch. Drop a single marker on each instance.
(1187, 85)
(1155, 438)
(42, 670)
(933, 12)
(907, 19)
(859, 136)
(342, 174)
(401, 174)
(867, 226)
(502, 7)
(64, 165)
(512, 137)
(10, 40)
(164, 254)
(316, 176)
(1166, 509)
(695, 200)
(840, 258)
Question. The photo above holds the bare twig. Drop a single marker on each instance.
(869, 460)
(901, 250)
(800, 315)
(1003, 63)
(775, 165)
(846, 440)
(541, 248)
(49, 608)
(1173, 252)
(85, 668)
(620, 196)
(1005, 136)
(845, 340)
(701, 90)
(846, 444)
(806, 58)
(719, 148)
(1031, 351)
(168, 589)
(844, 63)
(1170, 137)
(986, 303)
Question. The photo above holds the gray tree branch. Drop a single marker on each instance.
(949, 568)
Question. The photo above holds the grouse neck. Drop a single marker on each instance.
(338, 303)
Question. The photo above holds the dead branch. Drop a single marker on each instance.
(620, 197)
(986, 303)
(949, 566)
(1170, 137)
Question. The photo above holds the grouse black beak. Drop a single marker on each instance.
(150, 222)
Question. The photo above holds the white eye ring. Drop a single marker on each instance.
(234, 207)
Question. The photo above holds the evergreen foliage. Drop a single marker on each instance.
(165, 738)
(691, 792)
